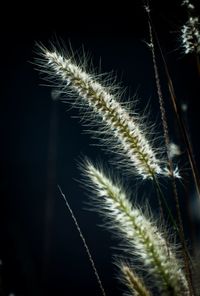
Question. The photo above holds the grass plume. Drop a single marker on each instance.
(141, 234)
(117, 125)
(135, 284)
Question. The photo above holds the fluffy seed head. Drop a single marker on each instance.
(114, 120)
(190, 34)
(190, 31)
(133, 282)
(141, 234)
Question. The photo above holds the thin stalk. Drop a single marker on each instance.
(181, 123)
(84, 242)
(162, 199)
(198, 63)
(166, 137)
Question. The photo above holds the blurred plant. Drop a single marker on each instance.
(190, 31)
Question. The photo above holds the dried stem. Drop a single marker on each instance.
(166, 137)
(84, 242)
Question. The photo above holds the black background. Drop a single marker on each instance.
(40, 248)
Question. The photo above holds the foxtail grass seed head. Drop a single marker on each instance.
(190, 35)
(141, 234)
(113, 120)
(190, 31)
(135, 284)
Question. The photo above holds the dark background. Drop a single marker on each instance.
(40, 250)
